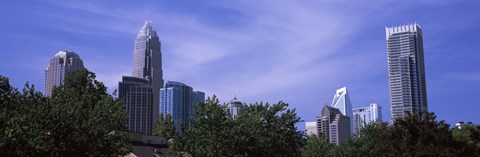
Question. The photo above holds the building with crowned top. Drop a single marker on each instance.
(60, 64)
(235, 107)
(147, 75)
(341, 101)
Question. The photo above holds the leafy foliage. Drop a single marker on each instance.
(412, 136)
(79, 119)
(260, 130)
(470, 136)
(165, 127)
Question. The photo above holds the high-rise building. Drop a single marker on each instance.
(147, 65)
(312, 128)
(365, 115)
(178, 100)
(341, 101)
(334, 125)
(406, 70)
(235, 107)
(60, 65)
(138, 94)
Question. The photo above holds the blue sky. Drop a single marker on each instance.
(296, 51)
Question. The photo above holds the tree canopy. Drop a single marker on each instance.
(79, 119)
(260, 130)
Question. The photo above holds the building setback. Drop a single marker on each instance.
(334, 126)
(178, 100)
(406, 70)
(366, 115)
(60, 64)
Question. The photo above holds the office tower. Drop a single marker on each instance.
(178, 100)
(406, 70)
(147, 69)
(60, 64)
(334, 125)
(312, 128)
(366, 115)
(138, 94)
(341, 101)
(235, 107)
(147, 63)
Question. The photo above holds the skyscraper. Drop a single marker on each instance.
(366, 115)
(341, 101)
(406, 70)
(138, 95)
(60, 65)
(178, 100)
(334, 125)
(147, 65)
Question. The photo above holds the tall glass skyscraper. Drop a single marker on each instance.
(406, 70)
(178, 100)
(341, 101)
(365, 115)
(60, 65)
(147, 65)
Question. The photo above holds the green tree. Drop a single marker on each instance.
(417, 135)
(79, 119)
(317, 146)
(470, 136)
(260, 130)
(165, 127)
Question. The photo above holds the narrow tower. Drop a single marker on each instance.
(406, 70)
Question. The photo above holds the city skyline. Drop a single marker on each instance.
(254, 51)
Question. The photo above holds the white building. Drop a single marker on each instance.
(366, 115)
(312, 128)
(341, 101)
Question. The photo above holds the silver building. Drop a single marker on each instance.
(147, 65)
(334, 126)
(406, 70)
(366, 115)
(60, 65)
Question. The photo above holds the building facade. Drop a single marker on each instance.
(366, 115)
(60, 64)
(341, 101)
(138, 95)
(406, 70)
(334, 126)
(178, 100)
